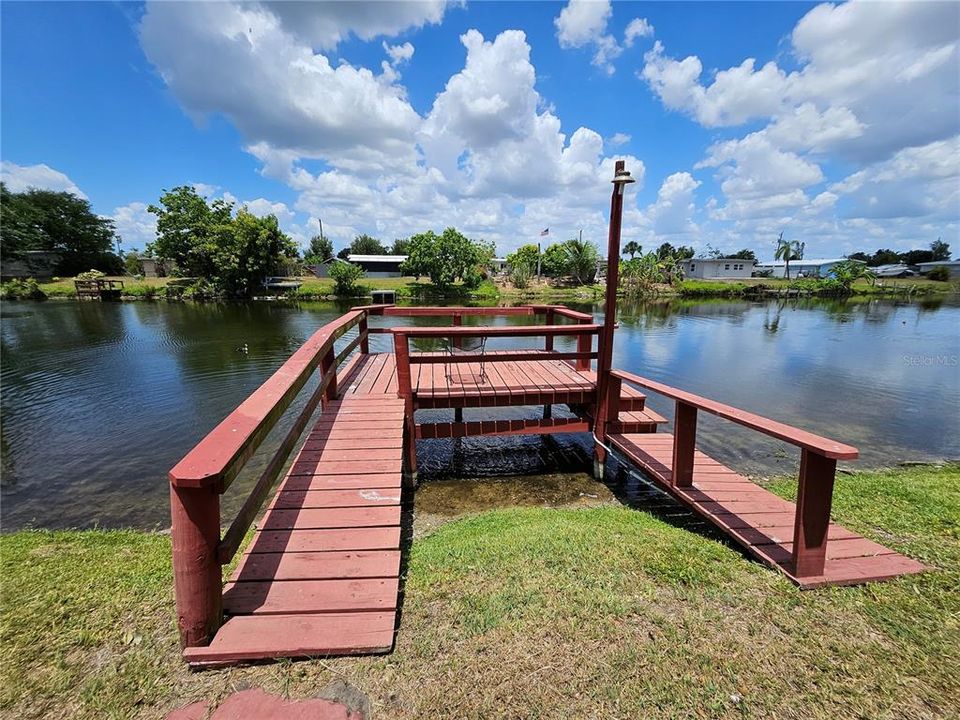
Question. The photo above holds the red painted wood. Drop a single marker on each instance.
(814, 496)
(338, 517)
(760, 521)
(351, 467)
(195, 536)
(498, 331)
(358, 497)
(376, 538)
(341, 482)
(684, 444)
(801, 438)
(260, 637)
(310, 596)
(318, 565)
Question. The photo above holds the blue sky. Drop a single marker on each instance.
(835, 124)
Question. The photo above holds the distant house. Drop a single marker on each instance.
(498, 265)
(709, 268)
(378, 266)
(153, 267)
(801, 268)
(322, 270)
(897, 270)
(952, 265)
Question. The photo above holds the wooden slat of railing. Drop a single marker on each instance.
(492, 357)
(498, 331)
(795, 436)
(394, 310)
(217, 458)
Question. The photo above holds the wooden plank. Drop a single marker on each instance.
(335, 454)
(318, 565)
(349, 467)
(376, 538)
(310, 596)
(361, 443)
(341, 482)
(261, 637)
(357, 497)
(338, 517)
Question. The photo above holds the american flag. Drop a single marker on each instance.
(544, 232)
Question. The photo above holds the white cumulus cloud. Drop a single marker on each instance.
(18, 178)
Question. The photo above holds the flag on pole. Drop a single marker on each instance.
(545, 231)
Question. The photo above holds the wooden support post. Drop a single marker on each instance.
(328, 363)
(601, 420)
(457, 322)
(684, 444)
(548, 342)
(812, 523)
(364, 336)
(585, 345)
(547, 412)
(405, 391)
(458, 415)
(197, 580)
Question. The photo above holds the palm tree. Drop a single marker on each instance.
(581, 260)
(788, 250)
(632, 248)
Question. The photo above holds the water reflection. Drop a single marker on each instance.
(101, 399)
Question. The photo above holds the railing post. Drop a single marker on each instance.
(197, 580)
(812, 523)
(405, 391)
(584, 344)
(457, 322)
(684, 444)
(548, 342)
(364, 335)
(328, 363)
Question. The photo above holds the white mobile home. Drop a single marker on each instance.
(801, 268)
(725, 268)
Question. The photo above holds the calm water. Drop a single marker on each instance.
(99, 400)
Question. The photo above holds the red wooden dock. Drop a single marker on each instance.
(321, 575)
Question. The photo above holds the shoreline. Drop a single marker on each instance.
(408, 289)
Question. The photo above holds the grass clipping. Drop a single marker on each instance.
(531, 613)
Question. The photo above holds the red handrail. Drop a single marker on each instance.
(795, 436)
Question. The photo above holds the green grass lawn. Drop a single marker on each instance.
(532, 612)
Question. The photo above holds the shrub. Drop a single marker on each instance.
(940, 273)
(520, 276)
(91, 275)
(345, 276)
(27, 289)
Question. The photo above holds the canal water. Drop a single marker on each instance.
(100, 400)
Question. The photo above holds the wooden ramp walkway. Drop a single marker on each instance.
(322, 572)
(763, 523)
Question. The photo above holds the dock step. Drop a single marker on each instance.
(321, 575)
(758, 520)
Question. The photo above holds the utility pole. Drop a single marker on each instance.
(621, 179)
(538, 261)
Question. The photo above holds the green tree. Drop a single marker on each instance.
(788, 250)
(940, 250)
(235, 254)
(848, 272)
(57, 222)
(445, 258)
(344, 253)
(683, 253)
(400, 246)
(744, 254)
(555, 262)
(524, 257)
(632, 248)
(320, 250)
(366, 245)
(582, 257)
(132, 264)
(345, 276)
